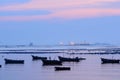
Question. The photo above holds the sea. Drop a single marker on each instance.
(89, 69)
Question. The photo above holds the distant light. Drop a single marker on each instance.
(72, 43)
(61, 43)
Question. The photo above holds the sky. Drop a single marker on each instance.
(53, 21)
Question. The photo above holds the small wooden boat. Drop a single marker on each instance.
(0, 66)
(51, 62)
(62, 68)
(11, 61)
(38, 58)
(82, 58)
(110, 60)
(65, 59)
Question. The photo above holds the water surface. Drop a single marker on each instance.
(89, 69)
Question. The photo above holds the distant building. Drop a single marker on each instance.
(31, 44)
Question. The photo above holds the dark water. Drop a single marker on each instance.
(89, 69)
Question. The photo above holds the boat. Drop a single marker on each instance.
(65, 59)
(0, 66)
(38, 58)
(82, 58)
(110, 60)
(51, 62)
(62, 68)
(11, 61)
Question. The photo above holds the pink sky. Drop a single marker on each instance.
(64, 9)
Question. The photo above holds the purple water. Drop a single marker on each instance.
(89, 69)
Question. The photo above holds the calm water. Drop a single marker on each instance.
(89, 69)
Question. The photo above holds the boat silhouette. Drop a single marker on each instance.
(11, 61)
(0, 66)
(66, 59)
(51, 62)
(109, 60)
(38, 58)
(62, 68)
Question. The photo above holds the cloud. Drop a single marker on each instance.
(24, 13)
(66, 14)
(54, 4)
(11, 2)
(61, 9)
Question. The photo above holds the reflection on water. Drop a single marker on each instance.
(89, 69)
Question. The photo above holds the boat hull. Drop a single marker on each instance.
(82, 58)
(38, 58)
(10, 61)
(63, 59)
(62, 68)
(51, 62)
(110, 60)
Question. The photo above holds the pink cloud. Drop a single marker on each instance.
(66, 14)
(85, 13)
(54, 4)
(62, 9)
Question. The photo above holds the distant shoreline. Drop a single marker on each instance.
(68, 51)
